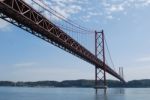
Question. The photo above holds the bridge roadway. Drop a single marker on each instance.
(19, 13)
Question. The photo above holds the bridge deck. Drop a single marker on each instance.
(22, 15)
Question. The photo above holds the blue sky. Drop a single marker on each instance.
(24, 57)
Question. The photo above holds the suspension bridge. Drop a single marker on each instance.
(39, 19)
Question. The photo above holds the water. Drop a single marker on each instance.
(16, 93)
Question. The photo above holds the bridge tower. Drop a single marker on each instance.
(100, 75)
(121, 72)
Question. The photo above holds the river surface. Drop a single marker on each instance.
(22, 93)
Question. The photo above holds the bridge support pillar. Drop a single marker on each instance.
(100, 75)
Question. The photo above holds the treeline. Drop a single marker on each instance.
(77, 83)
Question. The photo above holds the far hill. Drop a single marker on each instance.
(78, 83)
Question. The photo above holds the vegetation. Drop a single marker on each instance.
(77, 83)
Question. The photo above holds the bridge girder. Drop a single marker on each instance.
(22, 15)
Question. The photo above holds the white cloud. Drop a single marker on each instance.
(143, 59)
(4, 26)
(25, 64)
(94, 13)
(109, 17)
(121, 6)
(114, 8)
(147, 2)
(91, 15)
(67, 8)
(64, 7)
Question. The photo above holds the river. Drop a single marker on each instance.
(23, 93)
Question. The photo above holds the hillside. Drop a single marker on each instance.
(77, 83)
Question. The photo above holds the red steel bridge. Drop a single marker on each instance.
(24, 16)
